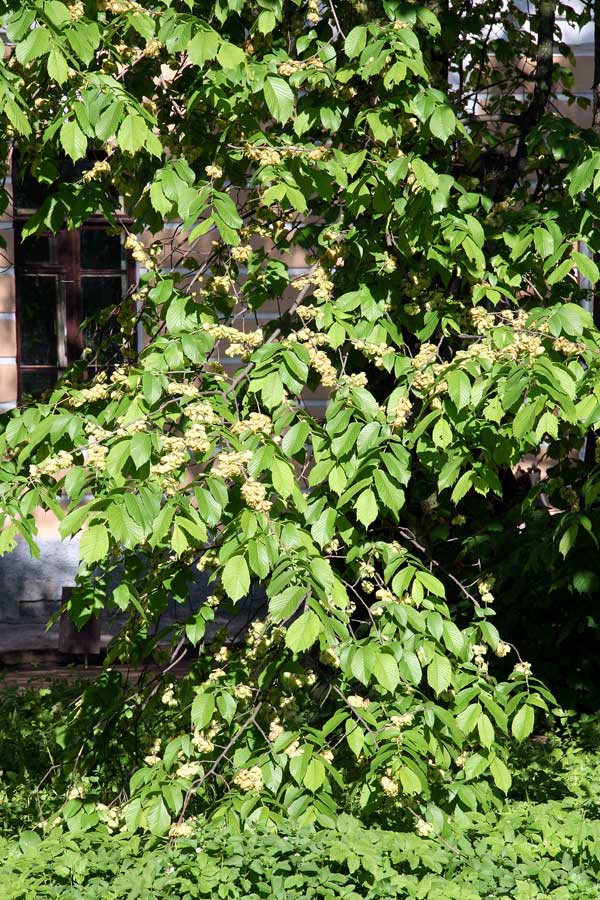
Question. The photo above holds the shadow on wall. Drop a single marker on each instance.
(30, 589)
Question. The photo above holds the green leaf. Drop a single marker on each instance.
(582, 175)
(17, 118)
(295, 438)
(203, 46)
(203, 708)
(525, 417)
(57, 12)
(141, 448)
(485, 730)
(57, 66)
(284, 604)
(544, 242)
(501, 775)
(266, 21)
(37, 43)
(453, 638)
(94, 543)
(385, 670)
(468, 718)
(230, 56)
(302, 633)
(366, 508)
(522, 724)
(442, 433)
(227, 706)
(410, 781)
(431, 583)
(587, 267)
(121, 596)
(73, 140)
(283, 477)
(133, 133)
(439, 673)
(315, 774)
(109, 121)
(443, 123)
(236, 577)
(355, 736)
(459, 388)
(559, 273)
(157, 816)
(279, 98)
(356, 41)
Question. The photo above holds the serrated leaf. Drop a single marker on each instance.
(587, 267)
(133, 133)
(501, 775)
(410, 781)
(236, 578)
(203, 708)
(94, 543)
(229, 56)
(443, 123)
(315, 774)
(73, 140)
(141, 448)
(468, 718)
(57, 66)
(121, 596)
(295, 438)
(385, 670)
(227, 706)
(366, 508)
(485, 730)
(279, 98)
(203, 46)
(439, 673)
(157, 816)
(302, 633)
(355, 736)
(453, 638)
(356, 41)
(522, 724)
(285, 603)
(459, 388)
(109, 121)
(283, 478)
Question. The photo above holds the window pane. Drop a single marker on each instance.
(36, 251)
(38, 296)
(100, 250)
(28, 192)
(99, 291)
(35, 381)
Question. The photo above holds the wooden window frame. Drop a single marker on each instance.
(69, 273)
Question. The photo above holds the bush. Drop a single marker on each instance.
(552, 853)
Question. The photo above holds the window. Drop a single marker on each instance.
(61, 280)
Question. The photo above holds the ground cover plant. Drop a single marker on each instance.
(414, 155)
(544, 843)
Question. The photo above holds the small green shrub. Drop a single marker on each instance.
(552, 853)
(544, 843)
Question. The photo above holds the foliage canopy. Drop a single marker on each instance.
(414, 155)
